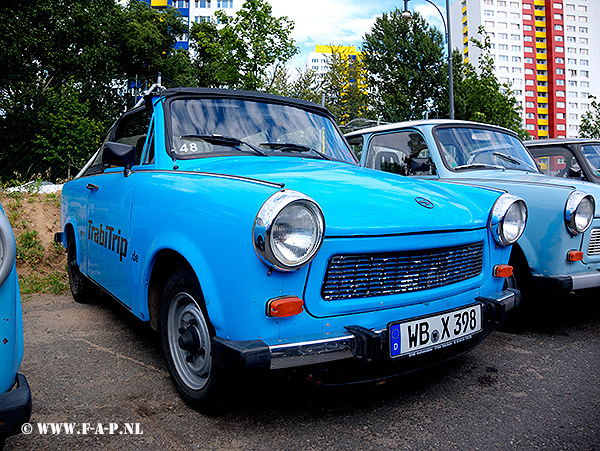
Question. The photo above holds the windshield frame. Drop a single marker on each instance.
(529, 165)
(245, 96)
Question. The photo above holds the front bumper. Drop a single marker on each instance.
(568, 282)
(357, 343)
(15, 408)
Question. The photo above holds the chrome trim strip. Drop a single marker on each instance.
(581, 281)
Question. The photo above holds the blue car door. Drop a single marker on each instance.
(109, 206)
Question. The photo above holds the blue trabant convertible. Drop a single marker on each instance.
(241, 227)
(559, 250)
(15, 396)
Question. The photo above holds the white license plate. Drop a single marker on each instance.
(433, 332)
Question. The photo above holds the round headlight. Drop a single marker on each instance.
(288, 230)
(579, 212)
(7, 248)
(508, 219)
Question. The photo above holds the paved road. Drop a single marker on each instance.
(531, 386)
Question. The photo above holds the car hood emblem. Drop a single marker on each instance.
(424, 202)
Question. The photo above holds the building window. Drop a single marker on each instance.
(585, 84)
(488, 13)
(502, 46)
(515, 37)
(557, 5)
(558, 16)
(583, 29)
(558, 27)
(529, 93)
(515, 48)
(529, 115)
(503, 57)
(488, 2)
(582, 18)
(561, 126)
(529, 105)
(542, 106)
(502, 25)
(583, 40)
(572, 61)
(570, 18)
(224, 3)
(570, 7)
(558, 38)
(526, 5)
(559, 49)
(516, 70)
(516, 59)
(560, 93)
(527, 17)
(585, 73)
(573, 116)
(530, 126)
(560, 71)
(528, 38)
(559, 60)
(572, 105)
(514, 4)
(560, 82)
(561, 105)
(489, 23)
(502, 36)
(560, 115)
(515, 26)
(528, 71)
(571, 28)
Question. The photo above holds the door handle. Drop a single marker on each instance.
(92, 187)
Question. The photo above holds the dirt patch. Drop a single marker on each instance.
(35, 218)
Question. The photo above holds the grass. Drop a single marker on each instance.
(55, 282)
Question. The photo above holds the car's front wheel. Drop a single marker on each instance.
(186, 335)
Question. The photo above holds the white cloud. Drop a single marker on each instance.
(340, 22)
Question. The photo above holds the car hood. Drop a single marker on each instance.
(526, 184)
(358, 201)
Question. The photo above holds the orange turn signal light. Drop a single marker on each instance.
(574, 256)
(503, 271)
(285, 306)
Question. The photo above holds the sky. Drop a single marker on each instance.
(343, 22)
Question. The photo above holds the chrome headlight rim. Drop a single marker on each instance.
(501, 208)
(7, 248)
(574, 202)
(262, 231)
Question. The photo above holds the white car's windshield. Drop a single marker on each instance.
(203, 127)
(471, 148)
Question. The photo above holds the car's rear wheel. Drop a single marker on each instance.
(81, 288)
(186, 335)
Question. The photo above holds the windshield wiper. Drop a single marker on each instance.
(512, 160)
(230, 141)
(480, 166)
(291, 147)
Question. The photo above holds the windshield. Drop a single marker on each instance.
(470, 148)
(591, 152)
(213, 127)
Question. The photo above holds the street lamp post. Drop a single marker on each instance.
(407, 15)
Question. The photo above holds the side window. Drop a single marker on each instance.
(132, 129)
(356, 144)
(403, 152)
(149, 158)
(558, 163)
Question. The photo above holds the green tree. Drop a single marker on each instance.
(405, 62)
(590, 122)
(66, 62)
(238, 53)
(480, 97)
(344, 85)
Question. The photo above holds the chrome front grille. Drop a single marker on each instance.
(594, 245)
(367, 275)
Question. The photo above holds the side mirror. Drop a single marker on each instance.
(121, 155)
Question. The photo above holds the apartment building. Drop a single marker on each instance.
(317, 59)
(197, 11)
(547, 50)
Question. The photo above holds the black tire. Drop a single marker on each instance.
(82, 289)
(186, 334)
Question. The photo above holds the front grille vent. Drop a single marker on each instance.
(367, 275)
(594, 246)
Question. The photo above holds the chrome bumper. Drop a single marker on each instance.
(357, 342)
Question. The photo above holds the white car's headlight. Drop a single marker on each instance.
(508, 219)
(288, 230)
(7, 248)
(579, 212)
